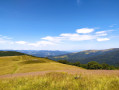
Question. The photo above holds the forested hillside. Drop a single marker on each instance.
(109, 56)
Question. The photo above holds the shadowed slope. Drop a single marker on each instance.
(109, 56)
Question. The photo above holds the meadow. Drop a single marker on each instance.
(62, 81)
(32, 73)
(24, 64)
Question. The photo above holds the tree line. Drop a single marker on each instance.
(91, 65)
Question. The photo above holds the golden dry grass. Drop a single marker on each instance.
(61, 81)
(23, 64)
(31, 73)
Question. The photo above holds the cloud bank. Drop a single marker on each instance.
(82, 34)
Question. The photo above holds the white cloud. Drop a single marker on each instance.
(59, 41)
(49, 38)
(76, 37)
(41, 43)
(101, 33)
(52, 39)
(36, 44)
(21, 42)
(68, 37)
(103, 39)
(85, 30)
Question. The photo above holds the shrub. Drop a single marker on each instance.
(63, 61)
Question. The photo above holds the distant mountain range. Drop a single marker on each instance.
(109, 56)
(43, 53)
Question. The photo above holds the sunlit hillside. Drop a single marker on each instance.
(32, 73)
(24, 63)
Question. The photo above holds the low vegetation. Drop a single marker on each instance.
(62, 81)
(91, 65)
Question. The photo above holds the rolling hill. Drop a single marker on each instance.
(109, 56)
(13, 62)
(10, 53)
(24, 72)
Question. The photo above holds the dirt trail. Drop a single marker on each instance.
(77, 71)
(37, 73)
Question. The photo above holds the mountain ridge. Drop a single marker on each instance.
(10, 53)
(88, 55)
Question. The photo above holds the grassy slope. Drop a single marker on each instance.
(85, 80)
(62, 81)
(10, 53)
(23, 64)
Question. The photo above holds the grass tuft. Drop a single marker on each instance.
(61, 81)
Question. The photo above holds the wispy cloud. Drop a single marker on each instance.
(5, 40)
(85, 30)
(76, 37)
(78, 2)
(82, 34)
(112, 25)
(103, 39)
(41, 43)
(21, 42)
(101, 33)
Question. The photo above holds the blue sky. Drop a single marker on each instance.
(59, 24)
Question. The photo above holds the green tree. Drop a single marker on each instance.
(63, 61)
(77, 64)
(105, 66)
(93, 65)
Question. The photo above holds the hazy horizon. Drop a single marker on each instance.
(55, 50)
